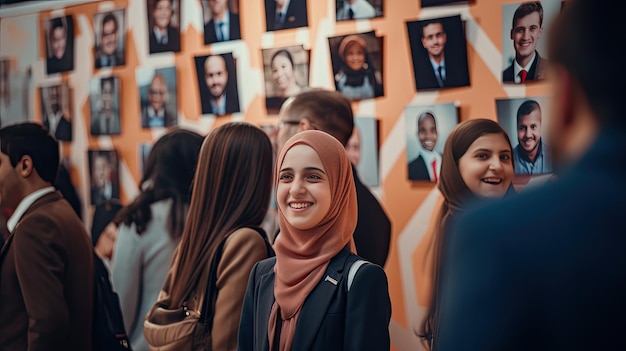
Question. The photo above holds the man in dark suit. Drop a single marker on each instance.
(60, 45)
(443, 66)
(54, 117)
(331, 112)
(558, 283)
(155, 113)
(284, 14)
(426, 166)
(223, 26)
(104, 185)
(108, 54)
(163, 37)
(525, 34)
(106, 121)
(218, 88)
(46, 263)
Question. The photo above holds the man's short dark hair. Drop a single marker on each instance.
(109, 17)
(56, 23)
(525, 9)
(429, 22)
(526, 108)
(34, 140)
(327, 110)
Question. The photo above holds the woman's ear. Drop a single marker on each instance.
(305, 124)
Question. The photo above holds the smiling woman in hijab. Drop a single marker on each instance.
(301, 299)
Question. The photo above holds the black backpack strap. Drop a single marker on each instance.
(209, 296)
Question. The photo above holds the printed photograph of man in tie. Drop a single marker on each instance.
(217, 83)
(163, 24)
(104, 175)
(56, 111)
(104, 101)
(427, 128)
(523, 26)
(221, 20)
(285, 14)
(157, 96)
(110, 46)
(439, 53)
(358, 9)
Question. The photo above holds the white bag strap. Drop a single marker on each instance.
(353, 269)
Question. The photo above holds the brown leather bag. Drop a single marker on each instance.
(187, 327)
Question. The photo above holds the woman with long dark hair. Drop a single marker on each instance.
(477, 164)
(230, 196)
(151, 226)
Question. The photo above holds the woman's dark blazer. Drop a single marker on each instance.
(331, 318)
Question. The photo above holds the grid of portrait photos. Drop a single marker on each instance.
(438, 48)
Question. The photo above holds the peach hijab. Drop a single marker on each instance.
(302, 256)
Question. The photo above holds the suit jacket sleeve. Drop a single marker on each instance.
(242, 250)
(40, 268)
(368, 311)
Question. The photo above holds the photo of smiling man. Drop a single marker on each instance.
(524, 119)
(110, 34)
(427, 131)
(524, 24)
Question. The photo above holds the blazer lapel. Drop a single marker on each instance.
(316, 304)
(266, 300)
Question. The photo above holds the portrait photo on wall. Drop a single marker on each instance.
(357, 61)
(104, 102)
(110, 42)
(163, 25)
(15, 92)
(286, 74)
(358, 9)
(217, 83)
(362, 149)
(221, 20)
(526, 122)
(525, 27)
(56, 110)
(157, 96)
(285, 14)
(104, 175)
(427, 128)
(59, 44)
(439, 53)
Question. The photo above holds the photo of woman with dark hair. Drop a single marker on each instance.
(286, 74)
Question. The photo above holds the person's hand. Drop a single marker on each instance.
(106, 242)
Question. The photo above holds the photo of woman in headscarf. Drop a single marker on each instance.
(355, 63)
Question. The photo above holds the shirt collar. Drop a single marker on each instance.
(25, 205)
(285, 7)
